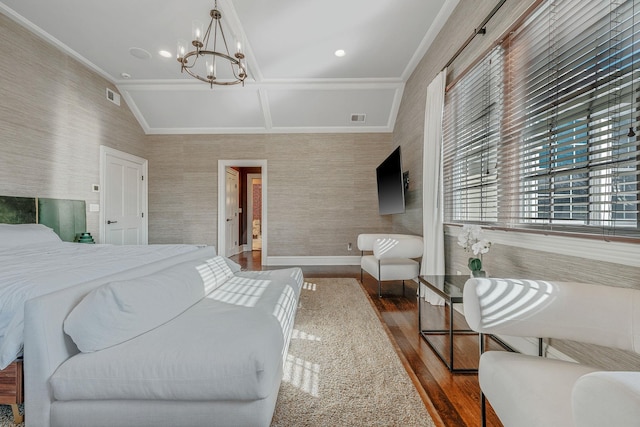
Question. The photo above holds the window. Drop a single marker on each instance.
(473, 111)
(563, 142)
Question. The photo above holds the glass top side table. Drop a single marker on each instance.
(450, 288)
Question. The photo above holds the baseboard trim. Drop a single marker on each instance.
(313, 260)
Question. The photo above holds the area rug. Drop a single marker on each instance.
(342, 369)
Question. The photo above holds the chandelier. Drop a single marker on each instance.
(205, 61)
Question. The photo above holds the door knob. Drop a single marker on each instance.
(112, 222)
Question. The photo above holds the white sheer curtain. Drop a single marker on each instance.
(433, 230)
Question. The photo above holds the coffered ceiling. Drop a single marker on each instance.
(296, 83)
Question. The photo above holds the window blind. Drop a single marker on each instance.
(565, 150)
(471, 129)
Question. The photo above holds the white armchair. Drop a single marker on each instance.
(390, 257)
(527, 391)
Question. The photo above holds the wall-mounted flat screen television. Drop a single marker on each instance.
(391, 184)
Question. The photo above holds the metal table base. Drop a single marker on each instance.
(451, 332)
(450, 289)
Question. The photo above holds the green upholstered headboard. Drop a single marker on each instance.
(17, 210)
(67, 218)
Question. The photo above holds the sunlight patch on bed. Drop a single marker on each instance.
(240, 291)
(302, 374)
(207, 275)
(285, 309)
(214, 271)
(297, 276)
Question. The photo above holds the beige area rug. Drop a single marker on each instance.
(342, 369)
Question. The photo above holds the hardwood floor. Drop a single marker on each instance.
(453, 400)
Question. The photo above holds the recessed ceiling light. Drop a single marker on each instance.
(165, 54)
(340, 53)
(125, 75)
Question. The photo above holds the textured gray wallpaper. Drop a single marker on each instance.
(321, 188)
(53, 118)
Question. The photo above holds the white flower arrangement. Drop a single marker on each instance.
(471, 240)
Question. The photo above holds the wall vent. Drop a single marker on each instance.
(113, 97)
(358, 117)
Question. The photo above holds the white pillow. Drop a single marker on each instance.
(12, 235)
(119, 311)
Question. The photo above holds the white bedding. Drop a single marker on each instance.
(32, 270)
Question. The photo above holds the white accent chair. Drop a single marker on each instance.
(390, 257)
(528, 391)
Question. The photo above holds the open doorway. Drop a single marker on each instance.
(254, 211)
(251, 207)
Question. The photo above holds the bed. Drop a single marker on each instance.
(37, 259)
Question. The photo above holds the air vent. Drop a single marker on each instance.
(358, 118)
(139, 53)
(113, 97)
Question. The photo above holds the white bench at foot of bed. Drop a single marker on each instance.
(219, 359)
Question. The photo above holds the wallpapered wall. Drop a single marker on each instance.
(53, 118)
(321, 188)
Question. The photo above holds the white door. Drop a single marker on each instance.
(231, 229)
(124, 199)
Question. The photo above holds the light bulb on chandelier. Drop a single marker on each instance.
(215, 56)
